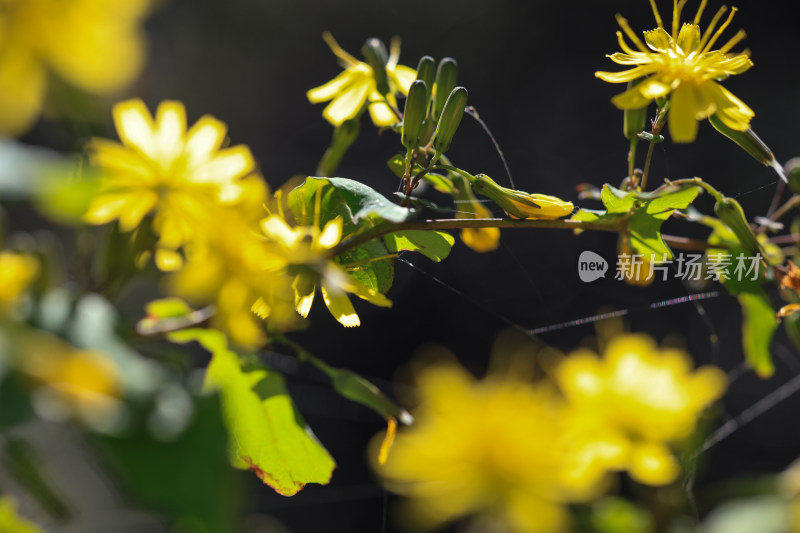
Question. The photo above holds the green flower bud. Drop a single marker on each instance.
(414, 113)
(426, 71)
(792, 170)
(730, 212)
(520, 204)
(750, 143)
(633, 120)
(450, 119)
(375, 53)
(446, 78)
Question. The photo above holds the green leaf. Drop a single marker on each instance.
(441, 183)
(267, 434)
(645, 223)
(435, 245)
(767, 514)
(356, 388)
(758, 327)
(165, 477)
(10, 521)
(617, 515)
(361, 209)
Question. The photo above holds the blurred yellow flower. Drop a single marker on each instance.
(682, 64)
(96, 45)
(488, 447)
(17, 272)
(82, 383)
(305, 250)
(628, 406)
(351, 89)
(184, 176)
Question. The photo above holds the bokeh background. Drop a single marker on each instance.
(528, 66)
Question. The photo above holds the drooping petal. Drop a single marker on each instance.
(304, 288)
(351, 285)
(627, 75)
(642, 94)
(653, 464)
(331, 234)
(683, 115)
(329, 90)
(348, 104)
(137, 207)
(339, 305)
(135, 126)
(403, 76)
(637, 58)
(380, 113)
(732, 111)
(105, 208)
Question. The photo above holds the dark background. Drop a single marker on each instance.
(528, 66)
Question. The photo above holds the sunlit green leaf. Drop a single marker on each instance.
(435, 245)
(267, 434)
(441, 183)
(11, 522)
(758, 327)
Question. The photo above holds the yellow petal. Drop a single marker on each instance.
(304, 288)
(170, 129)
(224, 167)
(339, 305)
(135, 126)
(112, 156)
(627, 75)
(347, 104)
(653, 464)
(351, 285)
(261, 308)
(331, 234)
(403, 76)
(105, 208)
(381, 114)
(277, 229)
(168, 260)
(137, 207)
(732, 111)
(682, 115)
(689, 37)
(328, 91)
(658, 40)
(203, 139)
(640, 95)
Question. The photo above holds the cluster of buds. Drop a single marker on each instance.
(433, 111)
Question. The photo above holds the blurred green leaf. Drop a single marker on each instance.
(10, 522)
(15, 406)
(767, 514)
(63, 195)
(187, 478)
(356, 388)
(267, 434)
(435, 245)
(758, 326)
(617, 515)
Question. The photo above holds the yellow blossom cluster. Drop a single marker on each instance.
(95, 45)
(519, 452)
(206, 204)
(17, 272)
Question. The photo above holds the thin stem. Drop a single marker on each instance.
(646, 171)
(657, 126)
(790, 204)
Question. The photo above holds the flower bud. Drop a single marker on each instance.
(450, 119)
(446, 78)
(520, 204)
(750, 143)
(414, 113)
(792, 171)
(375, 53)
(426, 71)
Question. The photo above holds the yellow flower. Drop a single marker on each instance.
(82, 383)
(96, 45)
(467, 206)
(684, 65)
(521, 204)
(182, 176)
(629, 406)
(489, 447)
(356, 85)
(305, 249)
(17, 272)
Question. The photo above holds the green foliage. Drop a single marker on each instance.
(435, 245)
(616, 515)
(642, 215)
(441, 183)
(187, 478)
(361, 208)
(267, 434)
